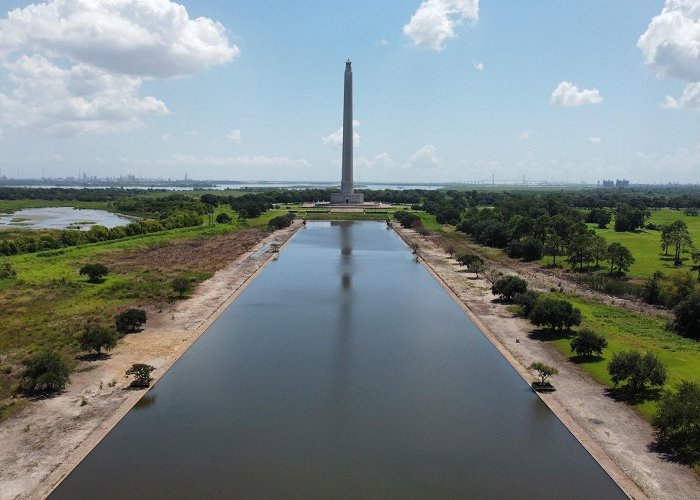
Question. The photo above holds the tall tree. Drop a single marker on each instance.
(676, 235)
(620, 258)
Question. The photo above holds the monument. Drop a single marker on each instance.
(347, 195)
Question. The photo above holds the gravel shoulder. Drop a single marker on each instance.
(44, 442)
(615, 435)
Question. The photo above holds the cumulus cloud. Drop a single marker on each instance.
(234, 136)
(595, 140)
(524, 135)
(435, 21)
(567, 94)
(78, 65)
(238, 161)
(479, 66)
(671, 43)
(425, 157)
(336, 138)
(689, 99)
(383, 160)
(382, 42)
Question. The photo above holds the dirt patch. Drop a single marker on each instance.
(615, 435)
(44, 441)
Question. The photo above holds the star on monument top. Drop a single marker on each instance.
(348, 63)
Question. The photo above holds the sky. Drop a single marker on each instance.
(444, 90)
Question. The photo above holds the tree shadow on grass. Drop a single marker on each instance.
(579, 360)
(625, 395)
(546, 334)
(93, 356)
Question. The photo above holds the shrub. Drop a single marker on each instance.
(142, 374)
(7, 271)
(687, 321)
(638, 370)
(588, 343)
(96, 337)
(677, 420)
(533, 249)
(508, 286)
(223, 218)
(46, 371)
(555, 314)
(130, 320)
(95, 272)
(181, 285)
(281, 221)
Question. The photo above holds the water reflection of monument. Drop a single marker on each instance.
(343, 363)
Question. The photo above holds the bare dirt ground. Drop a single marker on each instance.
(42, 443)
(616, 436)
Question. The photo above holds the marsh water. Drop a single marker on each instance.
(343, 371)
(61, 218)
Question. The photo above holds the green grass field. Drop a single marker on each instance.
(626, 330)
(645, 245)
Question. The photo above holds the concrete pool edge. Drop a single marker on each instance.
(613, 470)
(85, 447)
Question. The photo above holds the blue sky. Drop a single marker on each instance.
(445, 90)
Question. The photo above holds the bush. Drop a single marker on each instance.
(508, 286)
(588, 343)
(130, 320)
(181, 285)
(7, 271)
(141, 373)
(95, 272)
(281, 221)
(533, 249)
(555, 314)
(526, 301)
(638, 370)
(223, 218)
(677, 420)
(96, 337)
(687, 321)
(45, 372)
(544, 371)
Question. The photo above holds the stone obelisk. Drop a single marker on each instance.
(347, 195)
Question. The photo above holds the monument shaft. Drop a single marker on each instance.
(346, 185)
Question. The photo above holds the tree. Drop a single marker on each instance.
(638, 370)
(696, 261)
(96, 337)
(676, 235)
(7, 271)
(687, 312)
(181, 285)
(508, 286)
(588, 343)
(474, 263)
(555, 314)
(544, 371)
(223, 218)
(677, 419)
(46, 371)
(142, 374)
(526, 301)
(532, 249)
(130, 320)
(95, 272)
(599, 249)
(620, 258)
(451, 249)
(580, 249)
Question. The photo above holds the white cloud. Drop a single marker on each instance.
(595, 140)
(425, 157)
(671, 43)
(382, 42)
(435, 20)
(234, 136)
(524, 135)
(567, 94)
(77, 66)
(336, 138)
(238, 161)
(684, 163)
(689, 99)
(383, 160)
(479, 66)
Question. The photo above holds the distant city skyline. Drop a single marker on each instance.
(445, 90)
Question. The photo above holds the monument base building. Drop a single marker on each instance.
(347, 199)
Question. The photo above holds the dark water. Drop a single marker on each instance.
(343, 371)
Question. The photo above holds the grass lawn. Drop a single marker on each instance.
(626, 330)
(645, 245)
